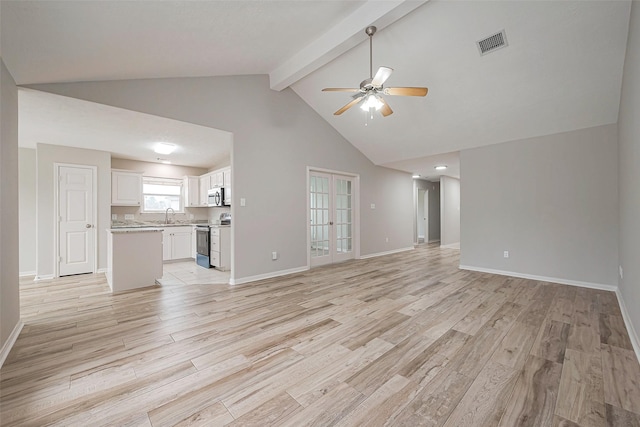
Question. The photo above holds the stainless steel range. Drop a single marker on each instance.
(202, 245)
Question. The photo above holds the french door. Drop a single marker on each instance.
(332, 218)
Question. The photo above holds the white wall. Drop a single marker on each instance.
(9, 285)
(276, 136)
(629, 173)
(27, 207)
(47, 155)
(449, 211)
(550, 201)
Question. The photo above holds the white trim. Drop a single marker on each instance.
(101, 270)
(394, 251)
(264, 276)
(8, 345)
(433, 241)
(43, 277)
(26, 273)
(633, 335)
(589, 285)
(451, 246)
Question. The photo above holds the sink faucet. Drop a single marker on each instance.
(166, 215)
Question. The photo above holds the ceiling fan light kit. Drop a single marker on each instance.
(371, 89)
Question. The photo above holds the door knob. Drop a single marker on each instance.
(88, 225)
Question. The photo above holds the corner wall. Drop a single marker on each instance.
(27, 194)
(550, 201)
(9, 284)
(449, 212)
(629, 175)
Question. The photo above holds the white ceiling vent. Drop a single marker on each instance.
(493, 42)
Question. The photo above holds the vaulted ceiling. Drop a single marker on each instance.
(561, 70)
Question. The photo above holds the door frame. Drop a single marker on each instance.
(356, 209)
(56, 213)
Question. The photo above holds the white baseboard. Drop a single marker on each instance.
(26, 273)
(101, 270)
(633, 335)
(6, 348)
(590, 285)
(264, 276)
(395, 251)
(451, 246)
(434, 240)
(43, 277)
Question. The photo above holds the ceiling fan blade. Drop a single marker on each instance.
(349, 105)
(385, 109)
(381, 76)
(406, 91)
(340, 89)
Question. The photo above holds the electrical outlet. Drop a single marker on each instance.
(114, 217)
(274, 255)
(506, 254)
(128, 216)
(373, 205)
(191, 216)
(243, 201)
(621, 272)
(386, 239)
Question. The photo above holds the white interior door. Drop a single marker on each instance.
(76, 230)
(332, 219)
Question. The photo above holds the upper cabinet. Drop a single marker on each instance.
(226, 177)
(192, 197)
(126, 188)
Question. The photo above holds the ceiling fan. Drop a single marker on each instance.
(371, 89)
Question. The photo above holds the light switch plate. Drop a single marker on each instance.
(243, 201)
(373, 205)
(128, 216)
(114, 217)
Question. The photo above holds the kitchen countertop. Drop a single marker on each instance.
(161, 226)
(119, 230)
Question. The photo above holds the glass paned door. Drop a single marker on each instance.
(331, 199)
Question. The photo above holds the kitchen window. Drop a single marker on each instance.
(159, 194)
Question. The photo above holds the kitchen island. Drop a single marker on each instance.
(134, 258)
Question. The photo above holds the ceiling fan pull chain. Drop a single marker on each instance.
(371, 56)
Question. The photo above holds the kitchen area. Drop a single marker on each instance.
(177, 219)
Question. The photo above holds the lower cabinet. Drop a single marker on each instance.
(177, 243)
(220, 241)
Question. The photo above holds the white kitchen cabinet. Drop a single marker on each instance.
(194, 243)
(218, 178)
(220, 242)
(226, 177)
(204, 190)
(176, 243)
(126, 188)
(192, 192)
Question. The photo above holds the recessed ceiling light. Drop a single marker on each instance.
(164, 148)
(416, 176)
(440, 167)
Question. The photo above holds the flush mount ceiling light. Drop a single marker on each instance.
(416, 176)
(164, 148)
(440, 167)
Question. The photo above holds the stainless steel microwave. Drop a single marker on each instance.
(219, 196)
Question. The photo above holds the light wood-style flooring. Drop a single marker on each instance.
(403, 340)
